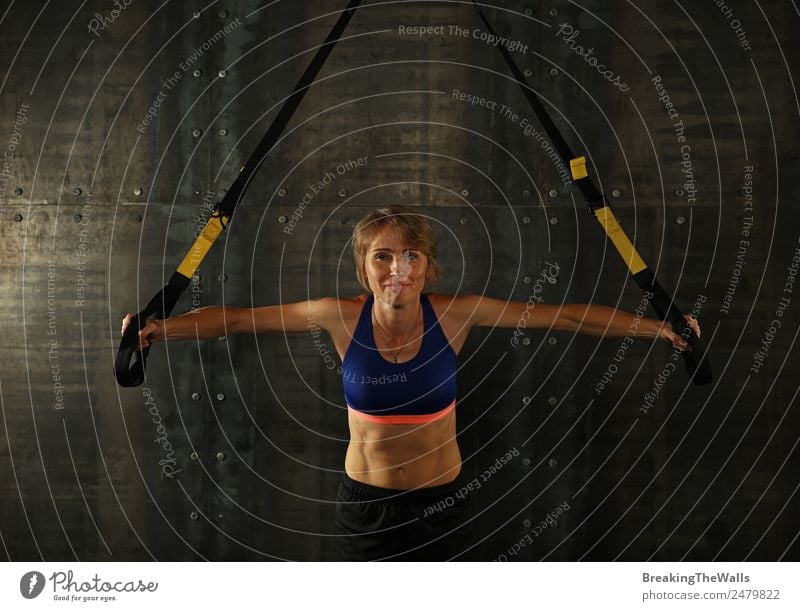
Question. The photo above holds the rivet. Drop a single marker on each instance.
(527, 279)
(554, 220)
(18, 191)
(195, 396)
(222, 277)
(679, 192)
(220, 396)
(552, 400)
(342, 192)
(464, 192)
(553, 192)
(616, 193)
(526, 220)
(197, 192)
(18, 217)
(526, 523)
(194, 515)
(526, 341)
(281, 192)
(223, 14)
(77, 218)
(526, 193)
(554, 11)
(196, 132)
(526, 399)
(680, 220)
(222, 73)
(552, 462)
(528, 12)
(282, 218)
(193, 455)
(77, 191)
(526, 462)
(464, 220)
(528, 72)
(553, 71)
(220, 516)
(137, 191)
(197, 72)
(220, 455)
(137, 218)
(223, 132)
(552, 341)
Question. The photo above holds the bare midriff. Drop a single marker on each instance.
(403, 456)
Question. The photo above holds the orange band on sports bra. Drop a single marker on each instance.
(404, 418)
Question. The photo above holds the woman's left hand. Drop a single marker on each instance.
(675, 339)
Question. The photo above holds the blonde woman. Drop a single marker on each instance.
(399, 498)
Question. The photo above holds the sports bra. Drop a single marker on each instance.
(417, 391)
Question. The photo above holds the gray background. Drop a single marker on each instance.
(704, 474)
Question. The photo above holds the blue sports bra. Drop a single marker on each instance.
(420, 390)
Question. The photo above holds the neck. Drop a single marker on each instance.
(396, 319)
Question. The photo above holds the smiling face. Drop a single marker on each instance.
(396, 271)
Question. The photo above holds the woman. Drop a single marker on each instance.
(399, 498)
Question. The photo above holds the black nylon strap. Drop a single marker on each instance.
(697, 365)
(129, 364)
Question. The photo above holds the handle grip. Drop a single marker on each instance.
(129, 364)
(694, 360)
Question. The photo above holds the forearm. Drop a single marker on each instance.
(203, 323)
(604, 321)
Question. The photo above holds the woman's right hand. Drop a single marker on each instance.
(151, 333)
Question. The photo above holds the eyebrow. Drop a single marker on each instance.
(390, 250)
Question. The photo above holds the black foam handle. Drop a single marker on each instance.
(694, 360)
(130, 363)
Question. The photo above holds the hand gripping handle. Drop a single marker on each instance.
(129, 364)
(694, 360)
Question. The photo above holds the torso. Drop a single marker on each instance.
(402, 456)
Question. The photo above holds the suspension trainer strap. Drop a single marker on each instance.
(697, 365)
(129, 364)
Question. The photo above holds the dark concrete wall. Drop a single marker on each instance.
(98, 205)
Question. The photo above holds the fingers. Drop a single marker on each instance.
(692, 320)
(125, 322)
(144, 333)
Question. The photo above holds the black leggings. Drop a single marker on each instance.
(375, 523)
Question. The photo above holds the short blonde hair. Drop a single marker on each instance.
(413, 227)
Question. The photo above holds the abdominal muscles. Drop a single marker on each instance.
(403, 456)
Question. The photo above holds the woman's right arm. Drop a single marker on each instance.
(216, 321)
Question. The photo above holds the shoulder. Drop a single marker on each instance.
(457, 308)
(340, 307)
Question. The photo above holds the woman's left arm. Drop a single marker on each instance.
(590, 319)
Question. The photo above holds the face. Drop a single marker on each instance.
(395, 270)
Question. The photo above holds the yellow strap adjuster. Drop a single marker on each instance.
(203, 244)
(620, 240)
(578, 168)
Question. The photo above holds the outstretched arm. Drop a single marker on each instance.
(215, 321)
(590, 319)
